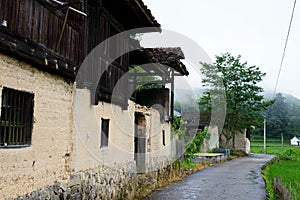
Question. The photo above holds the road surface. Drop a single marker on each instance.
(239, 179)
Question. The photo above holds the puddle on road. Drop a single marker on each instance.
(253, 176)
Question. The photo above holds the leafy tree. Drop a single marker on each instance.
(244, 102)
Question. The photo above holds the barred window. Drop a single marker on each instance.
(16, 118)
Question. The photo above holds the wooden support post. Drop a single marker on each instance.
(62, 30)
(172, 96)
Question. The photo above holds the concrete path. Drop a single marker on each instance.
(239, 179)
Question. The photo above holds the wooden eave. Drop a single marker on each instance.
(169, 56)
(160, 57)
(36, 54)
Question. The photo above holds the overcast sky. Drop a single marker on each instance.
(254, 29)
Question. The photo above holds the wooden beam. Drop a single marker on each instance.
(51, 6)
(144, 74)
(36, 54)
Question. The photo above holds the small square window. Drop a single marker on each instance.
(16, 118)
(104, 132)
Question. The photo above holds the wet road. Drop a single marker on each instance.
(239, 179)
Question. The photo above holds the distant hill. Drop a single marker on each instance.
(290, 99)
(283, 117)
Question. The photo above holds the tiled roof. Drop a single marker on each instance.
(168, 56)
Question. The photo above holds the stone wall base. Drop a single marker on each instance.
(107, 183)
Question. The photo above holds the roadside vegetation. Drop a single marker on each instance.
(194, 146)
(190, 148)
(282, 174)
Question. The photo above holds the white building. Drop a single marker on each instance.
(295, 141)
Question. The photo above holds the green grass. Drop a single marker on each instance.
(289, 173)
(188, 164)
(286, 168)
(273, 146)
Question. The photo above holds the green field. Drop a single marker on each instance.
(288, 171)
(273, 146)
(286, 167)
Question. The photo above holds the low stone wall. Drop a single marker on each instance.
(107, 183)
(210, 157)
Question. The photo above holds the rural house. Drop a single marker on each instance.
(295, 141)
(43, 43)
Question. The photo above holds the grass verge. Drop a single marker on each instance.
(286, 170)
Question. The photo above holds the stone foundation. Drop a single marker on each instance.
(107, 183)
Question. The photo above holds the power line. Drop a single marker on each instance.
(283, 54)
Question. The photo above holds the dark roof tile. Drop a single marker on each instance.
(168, 56)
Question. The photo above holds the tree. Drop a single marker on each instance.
(244, 102)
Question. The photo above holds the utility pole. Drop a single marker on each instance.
(265, 136)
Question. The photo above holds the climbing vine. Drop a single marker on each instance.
(194, 145)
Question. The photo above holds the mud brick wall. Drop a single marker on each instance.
(47, 158)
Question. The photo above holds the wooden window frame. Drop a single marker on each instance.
(16, 118)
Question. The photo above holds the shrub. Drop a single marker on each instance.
(194, 145)
(179, 127)
(290, 154)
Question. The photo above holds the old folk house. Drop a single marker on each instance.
(58, 118)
